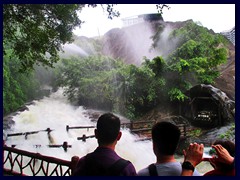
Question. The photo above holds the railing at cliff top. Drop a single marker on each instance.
(23, 163)
(137, 127)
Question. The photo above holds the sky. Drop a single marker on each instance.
(218, 17)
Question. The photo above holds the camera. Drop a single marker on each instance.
(209, 152)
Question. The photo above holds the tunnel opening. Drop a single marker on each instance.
(205, 112)
(207, 107)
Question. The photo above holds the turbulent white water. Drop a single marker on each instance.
(55, 112)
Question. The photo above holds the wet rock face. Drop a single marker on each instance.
(226, 81)
(132, 43)
(208, 137)
(8, 122)
(135, 42)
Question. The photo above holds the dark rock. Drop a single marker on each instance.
(209, 106)
(8, 121)
(226, 81)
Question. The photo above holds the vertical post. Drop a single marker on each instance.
(26, 136)
(65, 146)
(48, 130)
(84, 138)
(67, 128)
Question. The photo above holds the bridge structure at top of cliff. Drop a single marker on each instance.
(128, 21)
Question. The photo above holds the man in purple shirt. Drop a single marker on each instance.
(104, 161)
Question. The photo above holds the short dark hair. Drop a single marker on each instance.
(165, 136)
(108, 127)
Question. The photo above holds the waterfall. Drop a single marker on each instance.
(55, 112)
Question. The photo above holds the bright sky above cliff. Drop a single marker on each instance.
(219, 17)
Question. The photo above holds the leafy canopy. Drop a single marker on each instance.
(132, 91)
(36, 31)
(196, 58)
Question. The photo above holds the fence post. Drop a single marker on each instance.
(65, 146)
(84, 138)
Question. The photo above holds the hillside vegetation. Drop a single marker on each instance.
(131, 89)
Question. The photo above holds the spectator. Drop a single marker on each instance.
(165, 138)
(104, 161)
(222, 162)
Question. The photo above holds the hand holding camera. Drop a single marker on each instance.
(209, 153)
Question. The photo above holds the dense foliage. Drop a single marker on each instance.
(18, 88)
(92, 81)
(36, 31)
(33, 34)
(196, 58)
(105, 83)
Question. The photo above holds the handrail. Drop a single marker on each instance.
(37, 164)
(64, 146)
(79, 127)
(84, 137)
(132, 128)
(48, 130)
(123, 124)
(140, 130)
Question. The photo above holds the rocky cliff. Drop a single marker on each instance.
(135, 42)
(226, 81)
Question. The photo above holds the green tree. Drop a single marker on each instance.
(18, 88)
(132, 91)
(144, 87)
(196, 59)
(94, 81)
(37, 31)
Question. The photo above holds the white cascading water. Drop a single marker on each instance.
(55, 112)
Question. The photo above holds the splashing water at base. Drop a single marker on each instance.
(56, 113)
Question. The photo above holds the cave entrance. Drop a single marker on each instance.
(205, 112)
(207, 106)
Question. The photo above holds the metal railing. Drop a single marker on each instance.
(23, 163)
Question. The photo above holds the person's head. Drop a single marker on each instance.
(230, 147)
(108, 129)
(165, 137)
